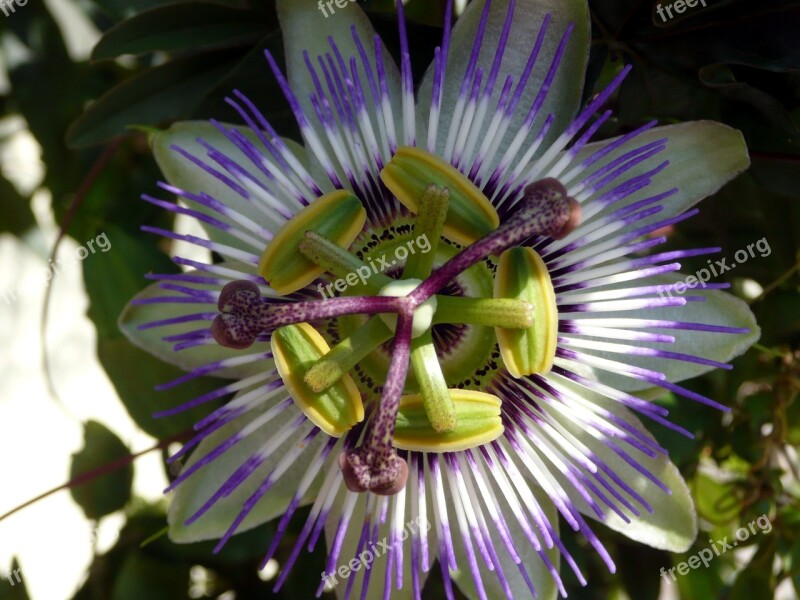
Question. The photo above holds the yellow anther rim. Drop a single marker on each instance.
(471, 215)
(295, 348)
(522, 274)
(477, 417)
(339, 216)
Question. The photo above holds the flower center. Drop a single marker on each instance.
(423, 314)
(421, 410)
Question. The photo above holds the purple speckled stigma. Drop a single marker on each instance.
(490, 512)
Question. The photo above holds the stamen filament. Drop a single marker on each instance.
(489, 312)
(439, 405)
(339, 262)
(346, 354)
(429, 223)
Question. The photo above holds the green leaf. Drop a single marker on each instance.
(39, 68)
(716, 502)
(143, 576)
(18, 217)
(108, 493)
(632, 561)
(182, 26)
(757, 579)
(135, 375)
(154, 97)
(253, 78)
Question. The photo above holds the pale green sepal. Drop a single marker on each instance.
(703, 156)
(375, 552)
(305, 28)
(151, 340)
(718, 308)
(540, 576)
(193, 493)
(672, 525)
(183, 174)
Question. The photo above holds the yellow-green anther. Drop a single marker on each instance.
(336, 410)
(478, 423)
(346, 354)
(489, 312)
(428, 225)
(470, 215)
(341, 263)
(436, 398)
(522, 275)
(338, 216)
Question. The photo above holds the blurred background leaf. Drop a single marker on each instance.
(108, 493)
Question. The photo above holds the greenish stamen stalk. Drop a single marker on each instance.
(489, 312)
(339, 262)
(346, 354)
(439, 405)
(428, 223)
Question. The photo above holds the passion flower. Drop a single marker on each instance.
(484, 386)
